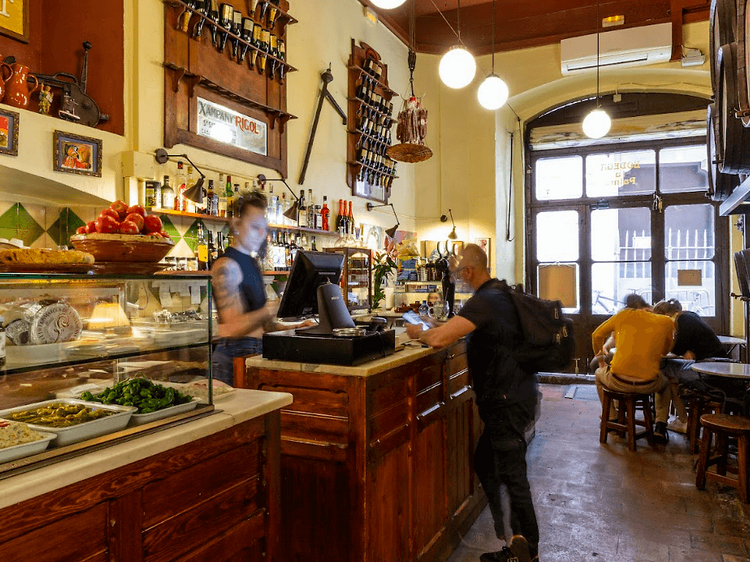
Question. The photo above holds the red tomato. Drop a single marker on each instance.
(110, 212)
(137, 219)
(90, 227)
(129, 227)
(165, 235)
(81, 230)
(153, 224)
(106, 224)
(121, 207)
(137, 209)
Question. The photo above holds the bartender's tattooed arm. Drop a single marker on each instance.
(230, 302)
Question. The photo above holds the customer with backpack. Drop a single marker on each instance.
(506, 398)
(642, 339)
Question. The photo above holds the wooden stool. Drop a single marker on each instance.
(724, 425)
(626, 421)
(696, 408)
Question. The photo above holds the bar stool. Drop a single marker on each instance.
(723, 426)
(626, 421)
(697, 407)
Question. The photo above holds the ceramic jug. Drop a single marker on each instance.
(17, 91)
(3, 78)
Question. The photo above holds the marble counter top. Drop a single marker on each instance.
(240, 406)
(406, 355)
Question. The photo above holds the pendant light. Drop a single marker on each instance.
(493, 93)
(597, 123)
(387, 4)
(457, 67)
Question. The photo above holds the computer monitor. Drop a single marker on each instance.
(313, 288)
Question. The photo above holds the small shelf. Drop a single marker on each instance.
(302, 229)
(280, 272)
(375, 170)
(371, 77)
(160, 211)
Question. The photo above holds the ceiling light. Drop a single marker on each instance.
(597, 123)
(493, 92)
(457, 67)
(387, 4)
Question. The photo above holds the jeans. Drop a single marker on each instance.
(500, 458)
(222, 363)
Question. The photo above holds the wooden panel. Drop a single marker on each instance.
(190, 529)
(460, 453)
(243, 542)
(329, 429)
(225, 471)
(321, 401)
(125, 526)
(78, 537)
(429, 484)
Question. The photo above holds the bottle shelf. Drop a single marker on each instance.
(375, 170)
(372, 139)
(362, 71)
(302, 229)
(371, 107)
(172, 212)
(280, 272)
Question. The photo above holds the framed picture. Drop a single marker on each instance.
(9, 132)
(484, 243)
(77, 155)
(14, 19)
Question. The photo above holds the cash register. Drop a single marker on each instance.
(312, 291)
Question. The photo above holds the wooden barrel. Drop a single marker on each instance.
(720, 185)
(743, 57)
(723, 30)
(733, 138)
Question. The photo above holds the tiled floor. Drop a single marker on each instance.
(603, 503)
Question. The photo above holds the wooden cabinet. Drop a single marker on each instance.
(214, 499)
(378, 467)
(356, 277)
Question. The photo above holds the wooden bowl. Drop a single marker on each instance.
(133, 249)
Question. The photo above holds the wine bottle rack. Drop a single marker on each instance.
(370, 172)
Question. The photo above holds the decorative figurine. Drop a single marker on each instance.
(45, 99)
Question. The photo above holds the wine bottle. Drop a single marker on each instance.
(226, 21)
(237, 30)
(282, 56)
(265, 38)
(351, 219)
(180, 187)
(247, 34)
(210, 199)
(201, 6)
(201, 249)
(213, 15)
(253, 7)
(187, 15)
(302, 209)
(310, 209)
(274, 52)
(257, 35)
(273, 13)
(263, 9)
(324, 212)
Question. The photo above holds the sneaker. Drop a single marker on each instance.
(499, 556)
(678, 426)
(660, 433)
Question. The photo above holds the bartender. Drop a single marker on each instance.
(239, 291)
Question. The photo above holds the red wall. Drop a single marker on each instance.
(56, 35)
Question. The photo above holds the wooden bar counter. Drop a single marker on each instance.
(376, 460)
(205, 490)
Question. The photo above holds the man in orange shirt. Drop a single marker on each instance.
(642, 339)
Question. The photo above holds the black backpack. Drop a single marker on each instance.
(548, 342)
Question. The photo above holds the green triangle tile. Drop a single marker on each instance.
(9, 219)
(65, 226)
(170, 228)
(7, 232)
(28, 229)
(191, 236)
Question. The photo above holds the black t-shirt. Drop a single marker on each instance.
(693, 334)
(252, 279)
(498, 380)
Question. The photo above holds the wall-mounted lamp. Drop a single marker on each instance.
(194, 193)
(292, 213)
(443, 218)
(391, 231)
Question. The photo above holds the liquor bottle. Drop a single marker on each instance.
(313, 247)
(201, 7)
(273, 13)
(263, 9)
(274, 52)
(151, 194)
(180, 187)
(213, 15)
(201, 249)
(210, 199)
(265, 45)
(211, 249)
(226, 194)
(340, 218)
(230, 200)
(167, 195)
(293, 247)
(221, 198)
(248, 26)
(271, 207)
(281, 46)
(187, 15)
(237, 30)
(310, 209)
(257, 36)
(189, 182)
(345, 220)
(302, 209)
(350, 216)
(287, 252)
(324, 212)
(226, 21)
(253, 6)
(283, 208)
(220, 244)
(318, 217)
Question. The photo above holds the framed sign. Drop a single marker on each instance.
(14, 19)
(9, 132)
(75, 154)
(231, 127)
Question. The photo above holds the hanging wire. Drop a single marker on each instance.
(598, 104)
(458, 19)
(447, 22)
(493, 36)
(412, 52)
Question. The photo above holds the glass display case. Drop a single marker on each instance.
(138, 347)
(356, 277)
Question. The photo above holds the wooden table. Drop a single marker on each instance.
(722, 369)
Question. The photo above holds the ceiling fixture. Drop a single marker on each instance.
(597, 123)
(443, 218)
(493, 93)
(457, 67)
(387, 4)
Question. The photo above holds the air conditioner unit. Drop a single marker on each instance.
(635, 46)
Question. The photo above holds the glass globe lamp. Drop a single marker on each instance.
(596, 124)
(457, 68)
(387, 4)
(493, 93)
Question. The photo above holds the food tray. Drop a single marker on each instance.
(26, 449)
(140, 419)
(67, 435)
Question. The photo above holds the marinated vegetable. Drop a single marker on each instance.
(60, 415)
(141, 393)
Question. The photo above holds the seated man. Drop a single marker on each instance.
(642, 338)
(631, 301)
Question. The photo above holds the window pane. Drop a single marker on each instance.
(620, 173)
(558, 178)
(689, 232)
(621, 234)
(610, 285)
(683, 169)
(557, 236)
(697, 292)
